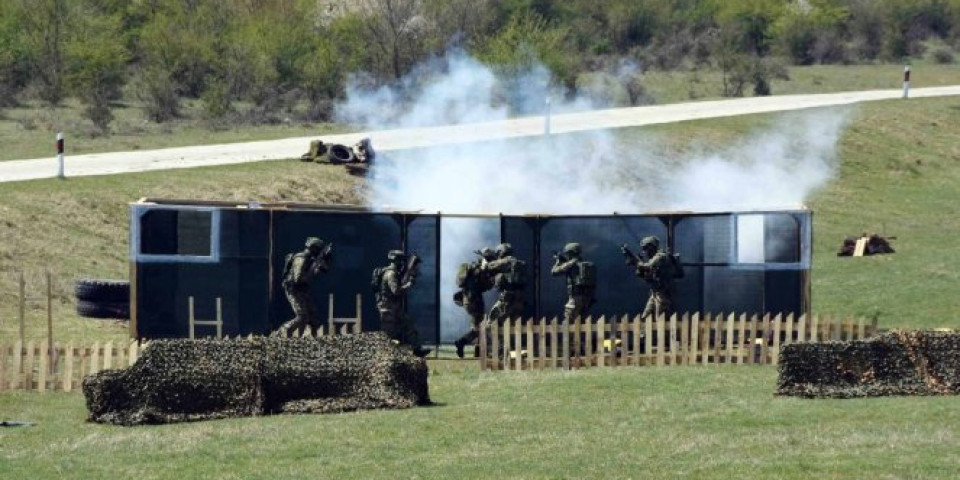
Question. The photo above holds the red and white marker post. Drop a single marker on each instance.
(60, 155)
(906, 81)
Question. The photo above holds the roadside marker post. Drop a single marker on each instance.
(546, 120)
(60, 155)
(906, 81)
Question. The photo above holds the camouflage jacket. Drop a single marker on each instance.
(391, 290)
(499, 268)
(657, 271)
(302, 268)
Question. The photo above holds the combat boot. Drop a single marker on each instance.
(460, 344)
(422, 352)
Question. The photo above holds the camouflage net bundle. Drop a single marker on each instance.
(918, 362)
(188, 380)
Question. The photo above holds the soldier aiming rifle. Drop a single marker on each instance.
(298, 269)
(659, 269)
(472, 281)
(390, 285)
(581, 281)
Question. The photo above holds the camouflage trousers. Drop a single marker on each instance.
(396, 325)
(509, 305)
(475, 309)
(577, 306)
(658, 304)
(304, 311)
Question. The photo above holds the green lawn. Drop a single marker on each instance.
(684, 422)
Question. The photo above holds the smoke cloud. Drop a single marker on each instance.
(586, 173)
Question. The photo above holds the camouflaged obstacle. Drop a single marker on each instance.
(918, 362)
(188, 380)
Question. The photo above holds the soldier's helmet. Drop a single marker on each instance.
(650, 242)
(572, 249)
(396, 255)
(314, 243)
(488, 254)
(504, 249)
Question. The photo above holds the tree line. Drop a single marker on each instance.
(296, 55)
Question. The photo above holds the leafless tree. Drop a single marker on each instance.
(397, 30)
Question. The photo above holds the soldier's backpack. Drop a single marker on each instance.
(586, 276)
(287, 265)
(377, 278)
(675, 265)
(463, 275)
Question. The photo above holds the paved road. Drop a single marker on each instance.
(386, 140)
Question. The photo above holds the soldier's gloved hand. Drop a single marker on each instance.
(406, 286)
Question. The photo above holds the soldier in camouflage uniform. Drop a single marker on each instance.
(509, 282)
(580, 293)
(391, 300)
(299, 269)
(471, 298)
(658, 272)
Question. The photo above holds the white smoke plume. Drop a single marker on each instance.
(587, 173)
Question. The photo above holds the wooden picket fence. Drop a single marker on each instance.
(679, 340)
(34, 366)
(37, 366)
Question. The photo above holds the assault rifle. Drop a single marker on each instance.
(631, 258)
(559, 257)
(325, 256)
(411, 269)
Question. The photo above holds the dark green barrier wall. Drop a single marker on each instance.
(734, 262)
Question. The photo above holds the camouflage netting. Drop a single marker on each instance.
(188, 380)
(918, 362)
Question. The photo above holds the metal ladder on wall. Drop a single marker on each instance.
(194, 323)
(347, 325)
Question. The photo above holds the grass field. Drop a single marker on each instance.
(684, 422)
(29, 132)
(898, 174)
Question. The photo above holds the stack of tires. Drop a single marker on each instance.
(103, 298)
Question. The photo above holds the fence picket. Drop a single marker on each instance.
(861, 329)
(775, 349)
(554, 340)
(484, 336)
(43, 355)
(588, 352)
(684, 351)
(802, 328)
(67, 380)
(740, 335)
(777, 332)
(637, 339)
(788, 330)
(3, 367)
(601, 331)
(674, 341)
(28, 365)
(730, 324)
(648, 340)
(764, 349)
(518, 345)
(694, 339)
(529, 344)
(661, 345)
(814, 327)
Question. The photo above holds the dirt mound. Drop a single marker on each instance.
(188, 380)
(917, 362)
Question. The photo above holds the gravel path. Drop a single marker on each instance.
(386, 140)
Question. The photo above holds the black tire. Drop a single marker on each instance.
(119, 310)
(93, 290)
(340, 154)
